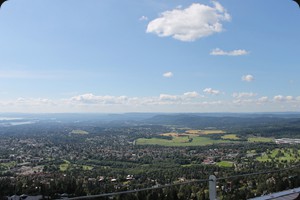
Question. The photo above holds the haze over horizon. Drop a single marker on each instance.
(142, 56)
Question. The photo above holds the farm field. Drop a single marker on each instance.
(169, 134)
(205, 132)
(193, 131)
(179, 141)
(230, 137)
(260, 139)
(198, 138)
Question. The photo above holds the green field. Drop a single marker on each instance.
(230, 137)
(179, 141)
(69, 166)
(207, 132)
(191, 165)
(64, 167)
(260, 139)
(79, 132)
(204, 132)
(7, 166)
(87, 168)
(225, 164)
(286, 155)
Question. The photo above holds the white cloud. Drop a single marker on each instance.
(168, 97)
(190, 101)
(252, 101)
(263, 100)
(220, 52)
(212, 103)
(191, 23)
(289, 98)
(33, 101)
(143, 18)
(162, 99)
(168, 74)
(193, 94)
(243, 95)
(243, 101)
(248, 78)
(280, 98)
(93, 99)
(211, 91)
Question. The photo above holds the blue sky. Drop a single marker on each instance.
(149, 56)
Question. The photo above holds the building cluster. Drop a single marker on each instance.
(287, 141)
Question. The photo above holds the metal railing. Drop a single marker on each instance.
(212, 181)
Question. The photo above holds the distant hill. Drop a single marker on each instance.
(222, 121)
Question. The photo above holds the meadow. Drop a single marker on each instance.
(260, 139)
(180, 141)
(205, 132)
(287, 155)
(230, 137)
(67, 166)
(79, 132)
(197, 138)
(224, 163)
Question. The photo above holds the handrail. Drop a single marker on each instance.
(183, 183)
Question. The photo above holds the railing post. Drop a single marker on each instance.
(212, 188)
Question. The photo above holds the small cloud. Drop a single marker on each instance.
(263, 100)
(211, 91)
(243, 101)
(220, 52)
(196, 21)
(143, 18)
(33, 101)
(168, 97)
(280, 98)
(168, 74)
(191, 94)
(93, 99)
(289, 98)
(243, 95)
(248, 78)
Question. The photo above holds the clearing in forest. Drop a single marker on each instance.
(260, 139)
(230, 137)
(79, 132)
(179, 141)
(205, 132)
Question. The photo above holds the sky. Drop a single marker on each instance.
(113, 56)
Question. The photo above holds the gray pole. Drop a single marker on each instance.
(212, 188)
